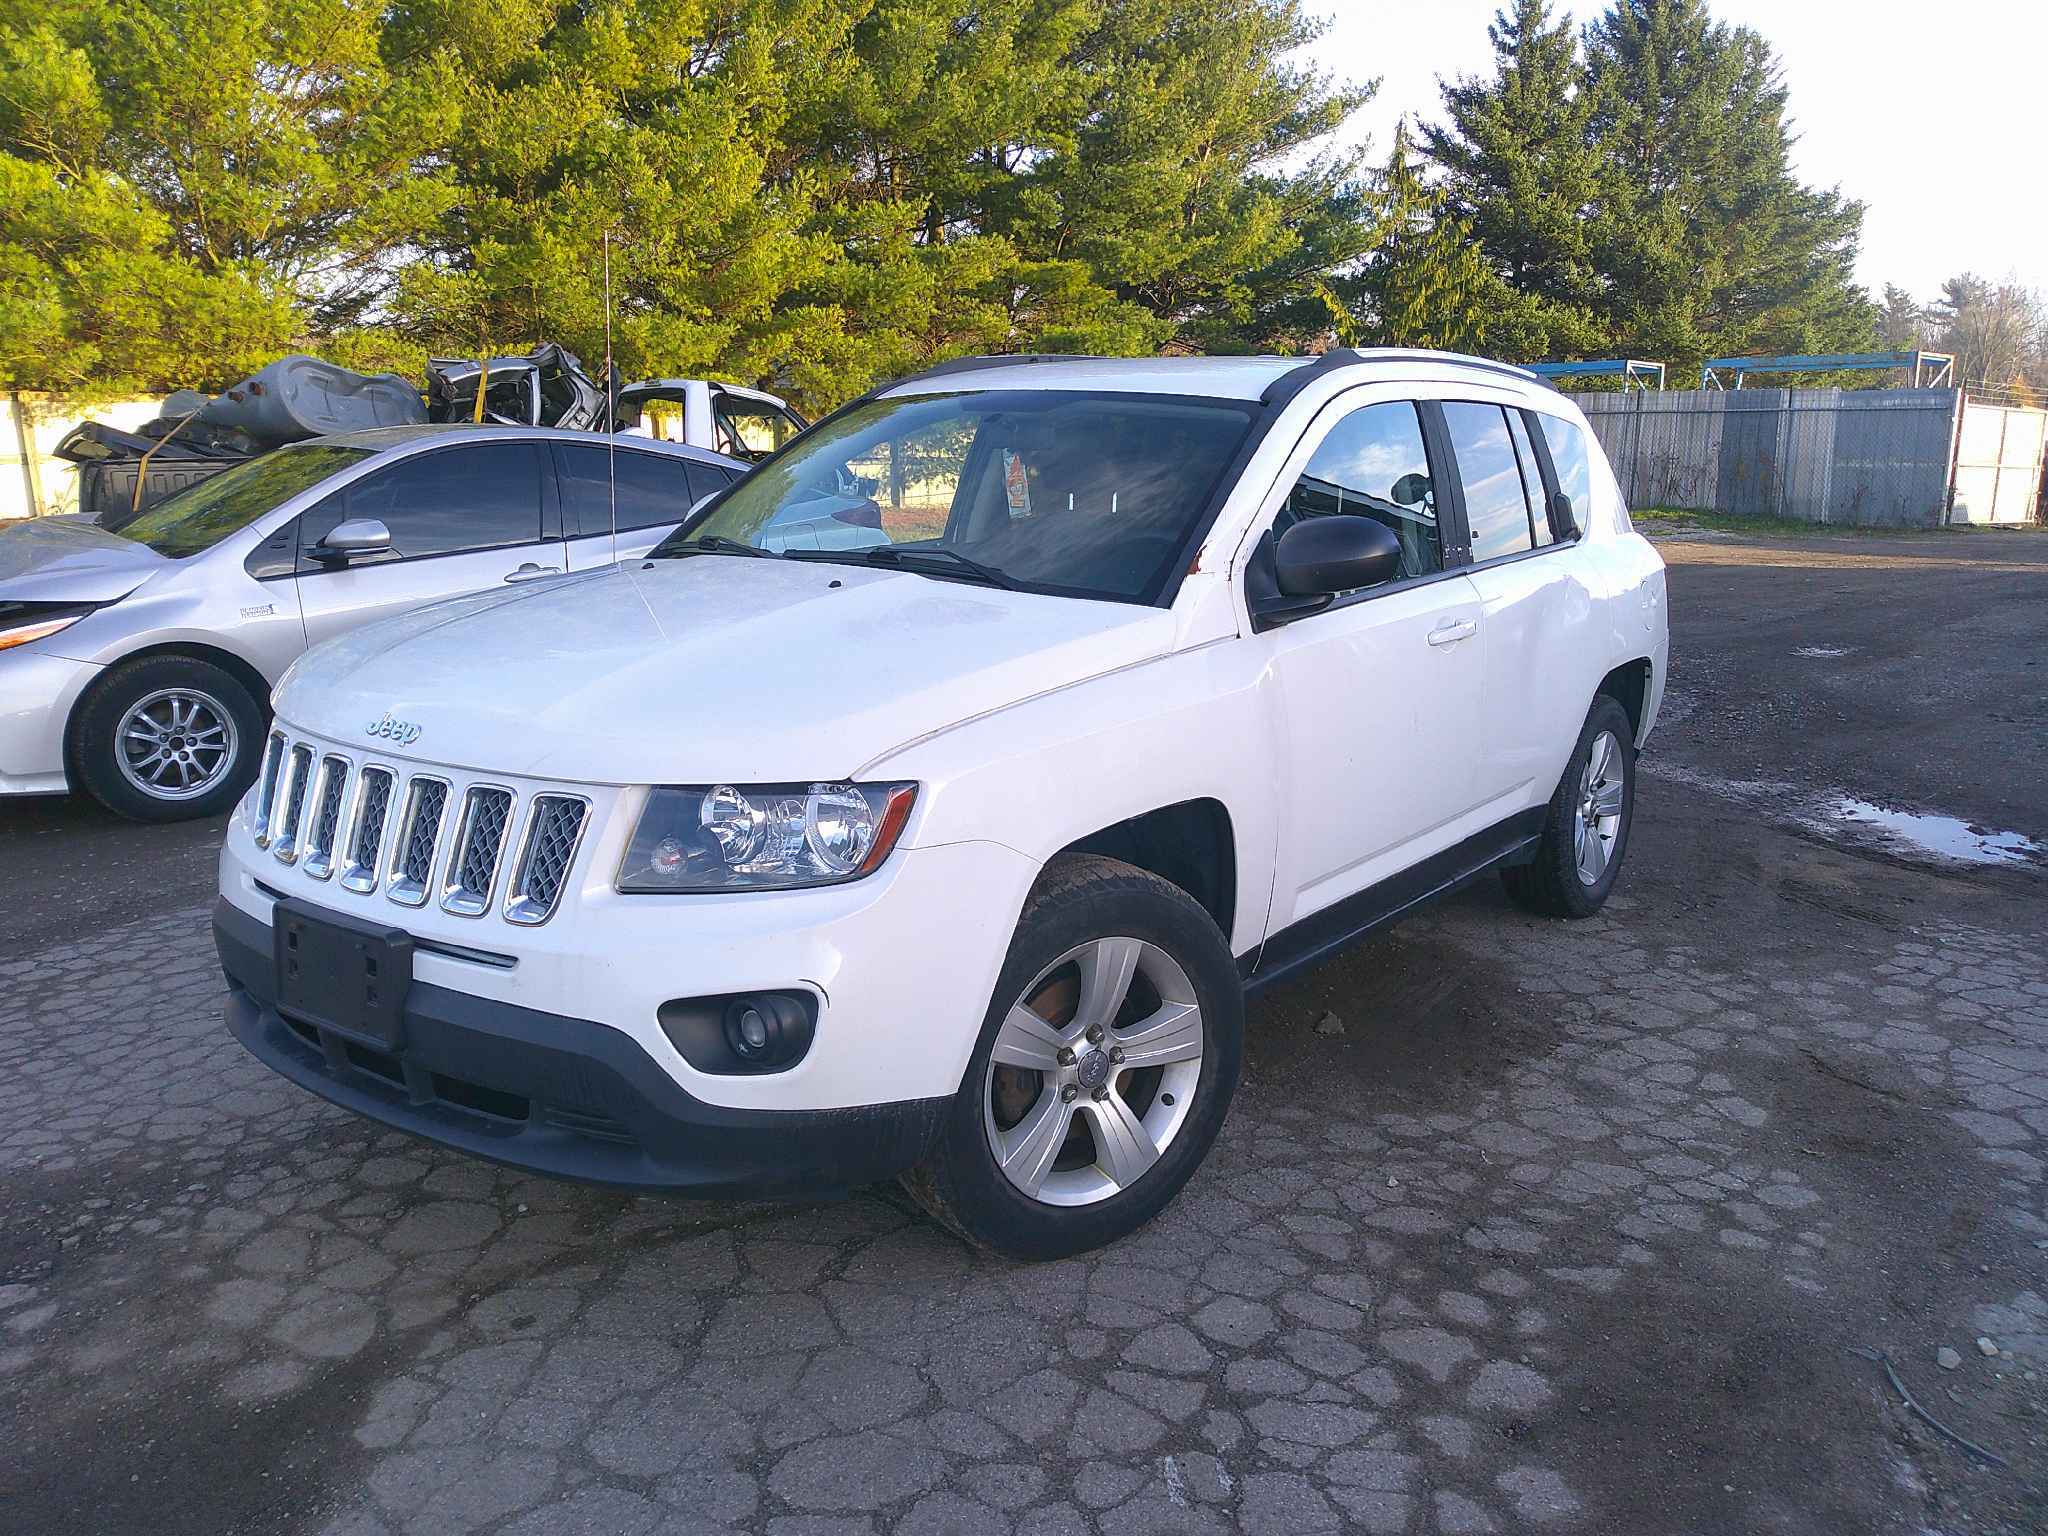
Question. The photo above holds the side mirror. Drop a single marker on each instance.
(355, 539)
(1325, 555)
(1411, 490)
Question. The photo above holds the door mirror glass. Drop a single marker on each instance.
(1325, 555)
(353, 540)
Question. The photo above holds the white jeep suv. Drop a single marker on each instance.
(746, 869)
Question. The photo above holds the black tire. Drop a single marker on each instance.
(1551, 884)
(1080, 898)
(94, 739)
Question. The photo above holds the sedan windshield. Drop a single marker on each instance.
(1085, 494)
(202, 515)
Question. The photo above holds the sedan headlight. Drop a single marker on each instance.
(21, 623)
(755, 837)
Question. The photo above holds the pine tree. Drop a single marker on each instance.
(1707, 243)
(1518, 165)
(1426, 283)
(1902, 323)
(1170, 189)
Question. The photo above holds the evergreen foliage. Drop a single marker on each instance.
(815, 194)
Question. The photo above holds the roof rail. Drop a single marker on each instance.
(1292, 382)
(996, 360)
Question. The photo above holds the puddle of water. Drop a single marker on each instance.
(1947, 836)
(1822, 652)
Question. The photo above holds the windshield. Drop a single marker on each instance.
(1086, 494)
(200, 516)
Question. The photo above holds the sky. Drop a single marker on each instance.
(1932, 116)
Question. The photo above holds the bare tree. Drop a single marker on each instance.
(1996, 331)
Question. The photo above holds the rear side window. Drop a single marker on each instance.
(1572, 460)
(1496, 506)
(482, 496)
(1373, 465)
(653, 488)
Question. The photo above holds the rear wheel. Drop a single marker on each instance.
(1104, 1070)
(1586, 831)
(167, 738)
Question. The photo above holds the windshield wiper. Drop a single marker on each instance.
(900, 555)
(715, 544)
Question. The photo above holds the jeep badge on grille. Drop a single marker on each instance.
(404, 732)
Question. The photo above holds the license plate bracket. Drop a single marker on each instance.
(343, 974)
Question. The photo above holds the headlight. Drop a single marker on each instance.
(723, 837)
(21, 623)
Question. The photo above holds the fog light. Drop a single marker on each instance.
(751, 1032)
(744, 1032)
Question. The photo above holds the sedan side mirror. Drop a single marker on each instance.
(356, 539)
(1321, 556)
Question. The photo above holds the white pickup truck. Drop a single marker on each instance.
(740, 423)
(953, 855)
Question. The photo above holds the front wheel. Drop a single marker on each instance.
(1586, 830)
(167, 738)
(1103, 1072)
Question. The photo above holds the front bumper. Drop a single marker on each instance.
(560, 1096)
(37, 693)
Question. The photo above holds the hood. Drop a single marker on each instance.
(709, 669)
(68, 560)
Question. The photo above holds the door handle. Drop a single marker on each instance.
(1451, 631)
(531, 572)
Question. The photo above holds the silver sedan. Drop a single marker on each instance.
(137, 665)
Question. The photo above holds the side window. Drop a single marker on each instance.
(708, 480)
(653, 488)
(1570, 458)
(480, 496)
(1532, 478)
(1372, 464)
(750, 429)
(1496, 508)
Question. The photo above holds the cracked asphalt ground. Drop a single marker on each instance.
(1571, 1228)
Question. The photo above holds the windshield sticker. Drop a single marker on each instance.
(1017, 484)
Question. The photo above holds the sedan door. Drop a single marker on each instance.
(651, 492)
(464, 518)
(1379, 693)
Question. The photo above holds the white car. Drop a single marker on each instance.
(135, 664)
(736, 872)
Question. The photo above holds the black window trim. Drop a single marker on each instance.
(1457, 480)
(544, 471)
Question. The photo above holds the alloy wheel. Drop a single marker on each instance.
(1093, 1072)
(1596, 820)
(176, 743)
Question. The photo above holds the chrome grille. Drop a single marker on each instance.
(266, 793)
(366, 831)
(554, 826)
(419, 830)
(479, 844)
(327, 800)
(298, 769)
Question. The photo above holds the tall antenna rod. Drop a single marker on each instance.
(611, 405)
